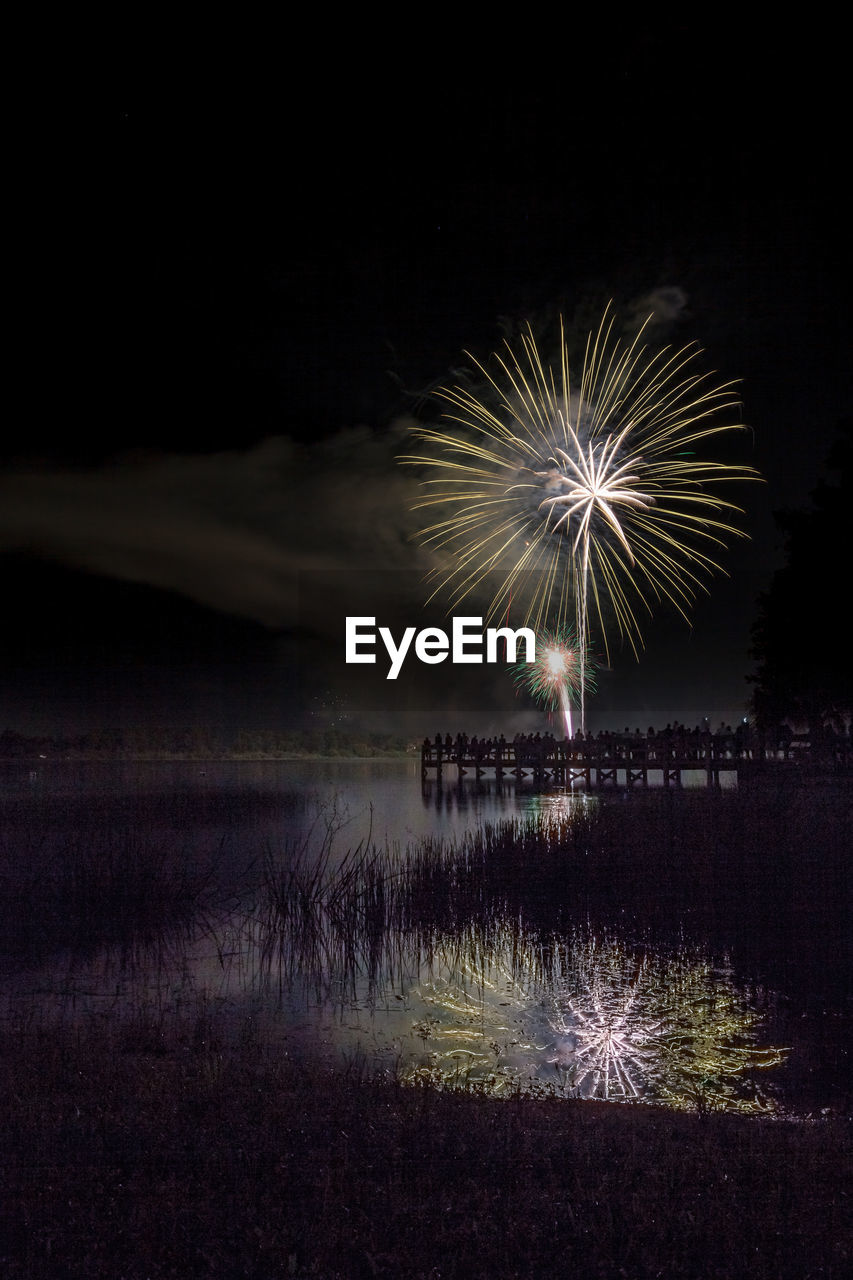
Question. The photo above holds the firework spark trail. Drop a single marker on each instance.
(567, 710)
(592, 501)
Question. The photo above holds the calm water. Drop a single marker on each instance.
(385, 797)
(603, 1009)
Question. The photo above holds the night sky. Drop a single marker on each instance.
(230, 306)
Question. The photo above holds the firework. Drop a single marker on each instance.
(590, 500)
(555, 678)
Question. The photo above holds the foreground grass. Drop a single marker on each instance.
(122, 1159)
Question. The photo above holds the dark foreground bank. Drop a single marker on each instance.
(127, 1160)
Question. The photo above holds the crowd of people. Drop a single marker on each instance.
(676, 740)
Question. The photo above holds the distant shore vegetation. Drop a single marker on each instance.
(201, 743)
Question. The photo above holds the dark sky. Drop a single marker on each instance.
(230, 303)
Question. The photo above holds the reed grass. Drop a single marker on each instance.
(754, 877)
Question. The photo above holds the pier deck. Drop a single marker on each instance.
(609, 760)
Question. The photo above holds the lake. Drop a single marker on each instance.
(688, 949)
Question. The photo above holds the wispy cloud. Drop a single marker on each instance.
(231, 530)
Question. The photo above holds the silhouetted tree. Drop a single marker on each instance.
(802, 637)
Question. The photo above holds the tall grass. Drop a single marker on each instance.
(327, 916)
(750, 876)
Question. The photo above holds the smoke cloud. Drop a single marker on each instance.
(230, 530)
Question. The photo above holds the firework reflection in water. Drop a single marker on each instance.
(630, 1026)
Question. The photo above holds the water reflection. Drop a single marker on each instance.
(477, 962)
(484, 798)
(498, 1010)
(632, 1024)
(600, 1020)
(552, 810)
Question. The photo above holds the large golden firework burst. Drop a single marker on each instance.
(591, 501)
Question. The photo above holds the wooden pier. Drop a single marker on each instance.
(609, 760)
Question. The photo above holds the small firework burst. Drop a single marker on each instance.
(556, 677)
